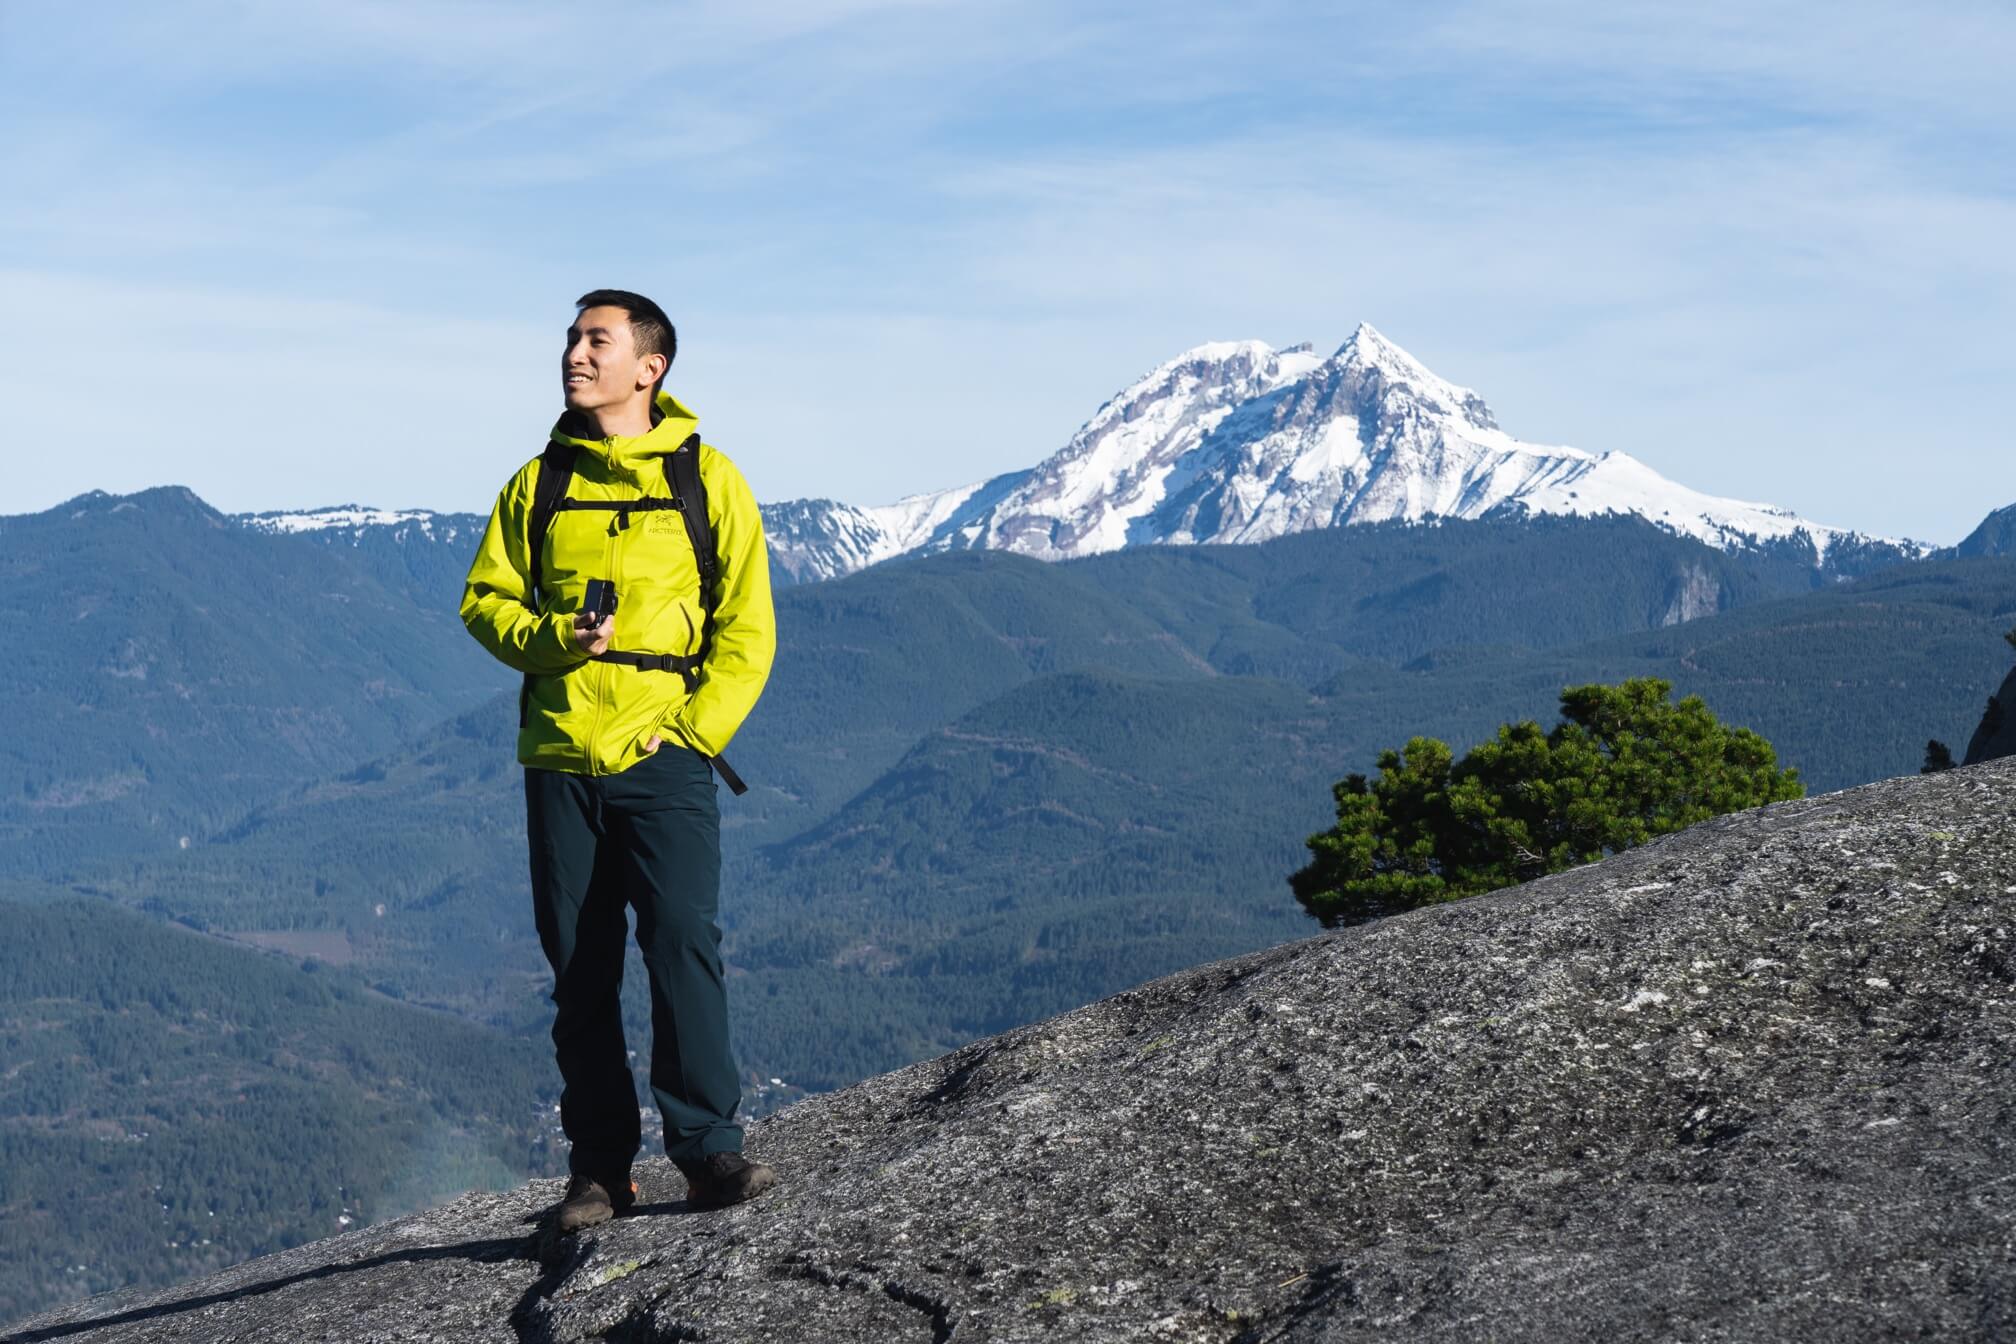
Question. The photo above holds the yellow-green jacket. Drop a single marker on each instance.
(592, 717)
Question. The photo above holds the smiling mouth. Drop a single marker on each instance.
(577, 378)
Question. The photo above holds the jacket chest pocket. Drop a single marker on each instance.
(654, 550)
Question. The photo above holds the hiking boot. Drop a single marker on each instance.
(589, 1202)
(725, 1178)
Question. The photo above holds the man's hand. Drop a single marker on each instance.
(590, 638)
(652, 745)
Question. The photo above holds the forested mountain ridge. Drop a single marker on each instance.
(184, 666)
(1026, 826)
(418, 551)
(211, 665)
(1995, 536)
(894, 684)
(171, 1104)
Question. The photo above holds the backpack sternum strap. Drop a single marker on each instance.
(686, 665)
(622, 508)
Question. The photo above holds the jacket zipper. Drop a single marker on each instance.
(596, 756)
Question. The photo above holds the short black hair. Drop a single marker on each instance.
(650, 330)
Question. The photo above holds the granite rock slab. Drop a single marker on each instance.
(1752, 1081)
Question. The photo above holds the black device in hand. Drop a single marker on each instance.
(600, 601)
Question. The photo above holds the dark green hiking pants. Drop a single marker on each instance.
(648, 837)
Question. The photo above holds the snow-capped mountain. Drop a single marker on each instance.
(418, 550)
(1239, 442)
(356, 521)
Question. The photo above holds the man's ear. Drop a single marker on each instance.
(651, 370)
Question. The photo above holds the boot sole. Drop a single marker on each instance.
(563, 1225)
(566, 1225)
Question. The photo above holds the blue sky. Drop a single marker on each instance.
(307, 253)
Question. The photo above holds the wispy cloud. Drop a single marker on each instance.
(1758, 246)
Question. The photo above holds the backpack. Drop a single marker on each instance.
(689, 497)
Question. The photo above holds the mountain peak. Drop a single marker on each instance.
(169, 500)
(1235, 441)
(1368, 343)
(1995, 536)
(1369, 348)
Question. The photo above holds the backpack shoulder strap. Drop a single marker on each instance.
(549, 487)
(689, 494)
(556, 469)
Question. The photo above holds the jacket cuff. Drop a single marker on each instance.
(559, 636)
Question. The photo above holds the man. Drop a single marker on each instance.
(622, 718)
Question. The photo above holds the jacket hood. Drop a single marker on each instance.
(624, 454)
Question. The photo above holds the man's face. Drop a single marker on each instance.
(601, 366)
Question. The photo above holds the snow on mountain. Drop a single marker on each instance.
(356, 520)
(1239, 442)
(1083, 499)
(342, 515)
(826, 538)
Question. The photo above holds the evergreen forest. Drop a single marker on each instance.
(262, 833)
